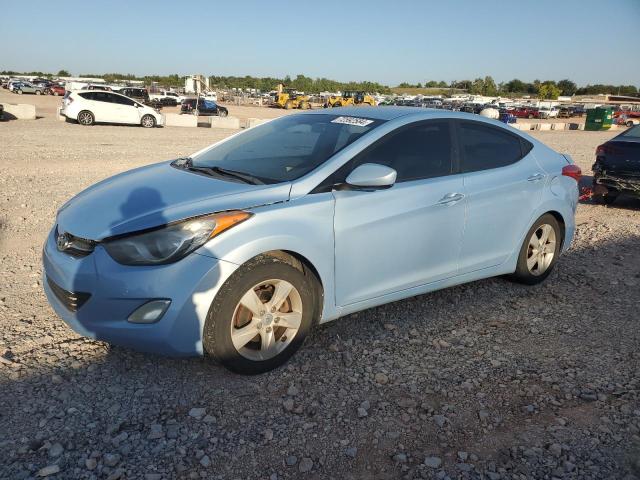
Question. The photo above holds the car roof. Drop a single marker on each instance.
(376, 113)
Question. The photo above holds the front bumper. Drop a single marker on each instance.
(111, 292)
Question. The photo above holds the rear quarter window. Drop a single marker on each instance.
(484, 147)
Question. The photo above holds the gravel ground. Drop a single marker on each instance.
(488, 380)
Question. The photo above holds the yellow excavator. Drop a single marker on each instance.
(288, 99)
(350, 98)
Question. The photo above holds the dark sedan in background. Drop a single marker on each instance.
(617, 167)
(203, 107)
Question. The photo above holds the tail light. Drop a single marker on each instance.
(572, 171)
(601, 149)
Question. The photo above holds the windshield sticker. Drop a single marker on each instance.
(360, 122)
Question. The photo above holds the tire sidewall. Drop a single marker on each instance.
(522, 272)
(217, 330)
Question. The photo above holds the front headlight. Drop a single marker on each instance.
(171, 243)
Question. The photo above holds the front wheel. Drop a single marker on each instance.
(222, 113)
(148, 121)
(38, 92)
(261, 315)
(19, 92)
(539, 252)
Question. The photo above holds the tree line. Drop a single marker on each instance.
(547, 89)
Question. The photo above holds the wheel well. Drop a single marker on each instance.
(563, 226)
(304, 265)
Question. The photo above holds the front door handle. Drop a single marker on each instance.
(450, 199)
(536, 177)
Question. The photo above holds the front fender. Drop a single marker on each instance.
(303, 226)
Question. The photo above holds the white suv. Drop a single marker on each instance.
(546, 112)
(92, 106)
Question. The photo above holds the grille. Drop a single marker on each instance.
(71, 300)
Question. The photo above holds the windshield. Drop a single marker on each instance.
(287, 148)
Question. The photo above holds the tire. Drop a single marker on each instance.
(222, 113)
(38, 92)
(533, 268)
(19, 92)
(86, 118)
(304, 106)
(288, 105)
(629, 123)
(55, 94)
(337, 104)
(530, 116)
(607, 198)
(258, 279)
(148, 121)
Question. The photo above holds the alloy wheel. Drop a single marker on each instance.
(85, 118)
(541, 249)
(266, 319)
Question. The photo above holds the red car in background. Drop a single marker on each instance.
(526, 112)
(55, 90)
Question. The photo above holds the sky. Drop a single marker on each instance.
(587, 41)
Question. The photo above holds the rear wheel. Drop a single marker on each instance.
(337, 104)
(288, 105)
(629, 123)
(86, 118)
(38, 92)
(19, 92)
(222, 113)
(539, 252)
(148, 121)
(55, 94)
(261, 315)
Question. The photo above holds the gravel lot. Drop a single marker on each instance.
(488, 380)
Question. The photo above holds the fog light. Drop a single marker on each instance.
(150, 312)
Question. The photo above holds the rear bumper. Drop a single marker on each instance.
(624, 183)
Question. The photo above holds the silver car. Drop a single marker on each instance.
(237, 251)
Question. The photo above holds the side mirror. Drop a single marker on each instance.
(372, 176)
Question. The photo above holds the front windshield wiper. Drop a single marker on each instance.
(187, 163)
(245, 177)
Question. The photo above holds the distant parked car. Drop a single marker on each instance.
(545, 112)
(137, 93)
(56, 90)
(94, 106)
(617, 167)
(203, 107)
(26, 87)
(104, 88)
(526, 112)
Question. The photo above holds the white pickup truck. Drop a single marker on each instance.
(167, 96)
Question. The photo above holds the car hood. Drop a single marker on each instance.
(156, 195)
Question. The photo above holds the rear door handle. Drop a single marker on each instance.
(536, 177)
(450, 199)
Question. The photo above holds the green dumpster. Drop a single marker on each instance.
(599, 118)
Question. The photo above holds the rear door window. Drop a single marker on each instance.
(483, 147)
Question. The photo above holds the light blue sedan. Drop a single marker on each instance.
(237, 251)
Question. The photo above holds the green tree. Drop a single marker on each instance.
(567, 87)
(548, 91)
(489, 88)
(516, 86)
(63, 73)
